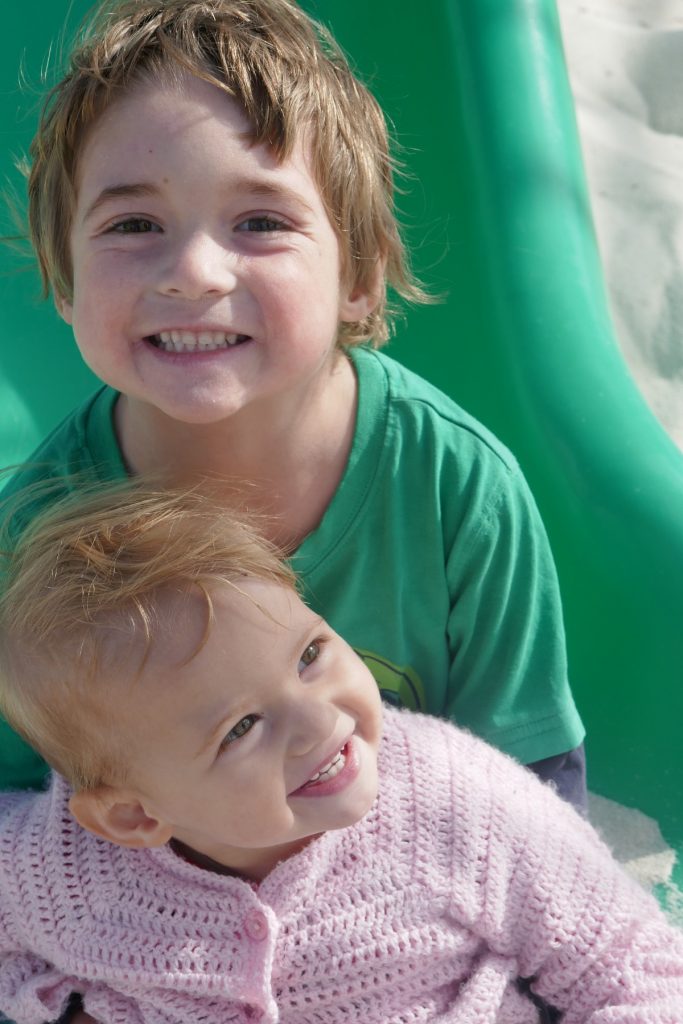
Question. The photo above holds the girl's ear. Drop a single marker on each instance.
(119, 816)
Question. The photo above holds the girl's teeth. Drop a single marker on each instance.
(330, 770)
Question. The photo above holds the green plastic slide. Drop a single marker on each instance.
(497, 216)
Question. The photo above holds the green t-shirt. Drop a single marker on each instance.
(431, 560)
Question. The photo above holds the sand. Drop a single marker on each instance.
(625, 61)
(637, 843)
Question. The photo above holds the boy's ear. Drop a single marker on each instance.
(362, 299)
(119, 816)
(65, 309)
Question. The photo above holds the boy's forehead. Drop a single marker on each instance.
(151, 122)
(161, 101)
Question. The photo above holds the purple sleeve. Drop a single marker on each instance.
(567, 774)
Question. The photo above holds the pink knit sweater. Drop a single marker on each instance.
(466, 875)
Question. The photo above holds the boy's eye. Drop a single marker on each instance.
(262, 224)
(311, 654)
(239, 730)
(134, 226)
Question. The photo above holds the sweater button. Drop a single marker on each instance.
(256, 926)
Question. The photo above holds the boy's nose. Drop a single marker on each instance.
(196, 267)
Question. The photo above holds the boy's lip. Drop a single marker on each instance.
(188, 340)
(195, 328)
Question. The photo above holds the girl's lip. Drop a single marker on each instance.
(327, 787)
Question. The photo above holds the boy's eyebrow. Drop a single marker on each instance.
(271, 190)
(135, 190)
(250, 186)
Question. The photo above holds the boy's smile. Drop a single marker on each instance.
(265, 738)
(207, 277)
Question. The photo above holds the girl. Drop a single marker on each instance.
(237, 830)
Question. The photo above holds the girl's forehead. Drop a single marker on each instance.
(237, 621)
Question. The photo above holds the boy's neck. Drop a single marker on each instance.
(289, 456)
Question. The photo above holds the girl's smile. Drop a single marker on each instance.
(334, 776)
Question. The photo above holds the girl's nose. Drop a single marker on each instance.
(197, 266)
(312, 725)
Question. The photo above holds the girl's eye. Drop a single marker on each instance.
(239, 730)
(134, 226)
(311, 654)
(262, 224)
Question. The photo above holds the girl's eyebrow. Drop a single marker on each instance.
(134, 190)
(212, 737)
(231, 714)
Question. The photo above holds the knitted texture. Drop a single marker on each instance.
(466, 874)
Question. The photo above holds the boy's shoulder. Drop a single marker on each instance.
(82, 447)
(415, 406)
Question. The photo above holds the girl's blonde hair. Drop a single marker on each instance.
(82, 587)
(289, 76)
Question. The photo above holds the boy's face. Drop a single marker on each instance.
(206, 275)
(268, 736)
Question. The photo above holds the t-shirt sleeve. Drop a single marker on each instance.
(508, 673)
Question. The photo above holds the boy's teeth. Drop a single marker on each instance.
(188, 341)
(330, 770)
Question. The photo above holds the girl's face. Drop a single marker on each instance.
(206, 274)
(265, 738)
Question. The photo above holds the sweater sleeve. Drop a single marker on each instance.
(33, 992)
(547, 894)
(32, 989)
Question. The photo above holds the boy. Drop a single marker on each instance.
(258, 840)
(211, 203)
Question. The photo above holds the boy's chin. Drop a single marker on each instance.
(206, 413)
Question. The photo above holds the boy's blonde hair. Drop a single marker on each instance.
(289, 76)
(82, 591)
